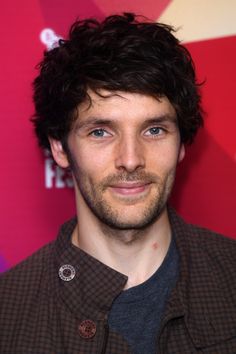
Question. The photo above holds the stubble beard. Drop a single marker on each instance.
(112, 221)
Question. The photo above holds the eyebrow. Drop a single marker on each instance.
(94, 121)
(165, 118)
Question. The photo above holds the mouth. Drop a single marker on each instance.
(130, 188)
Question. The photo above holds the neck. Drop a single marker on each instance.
(135, 253)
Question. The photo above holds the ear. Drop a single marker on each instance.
(58, 153)
(181, 153)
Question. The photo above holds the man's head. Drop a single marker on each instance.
(116, 102)
(122, 53)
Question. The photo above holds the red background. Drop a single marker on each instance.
(205, 191)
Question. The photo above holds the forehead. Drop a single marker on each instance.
(120, 105)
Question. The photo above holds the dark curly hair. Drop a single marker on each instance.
(123, 52)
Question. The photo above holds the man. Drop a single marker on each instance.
(117, 102)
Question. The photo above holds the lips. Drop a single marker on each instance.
(130, 188)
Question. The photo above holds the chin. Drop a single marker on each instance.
(133, 222)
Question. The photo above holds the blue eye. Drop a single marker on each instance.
(154, 131)
(99, 133)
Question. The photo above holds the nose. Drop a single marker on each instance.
(130, 154)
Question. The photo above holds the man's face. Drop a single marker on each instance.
(123, 151)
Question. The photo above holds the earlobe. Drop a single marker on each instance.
(58, 153)
(181, 153)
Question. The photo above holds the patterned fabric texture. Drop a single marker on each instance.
(47, 307)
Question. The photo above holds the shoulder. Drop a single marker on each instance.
(199, 235)
(214, 244)
(25, 277)
(23, 290)
(209, 256)
(203, 245)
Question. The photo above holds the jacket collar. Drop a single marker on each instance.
(92, 290)
(202, 295)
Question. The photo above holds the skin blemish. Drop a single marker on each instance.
(155, 246)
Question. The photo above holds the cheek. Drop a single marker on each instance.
(163, 160)
(92, 163)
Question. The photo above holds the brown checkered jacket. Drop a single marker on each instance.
(42, 314)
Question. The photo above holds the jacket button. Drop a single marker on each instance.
(67, 272)
(87, 329)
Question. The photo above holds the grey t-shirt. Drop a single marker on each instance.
(136, 313)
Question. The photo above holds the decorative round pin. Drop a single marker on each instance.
(66, 272)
